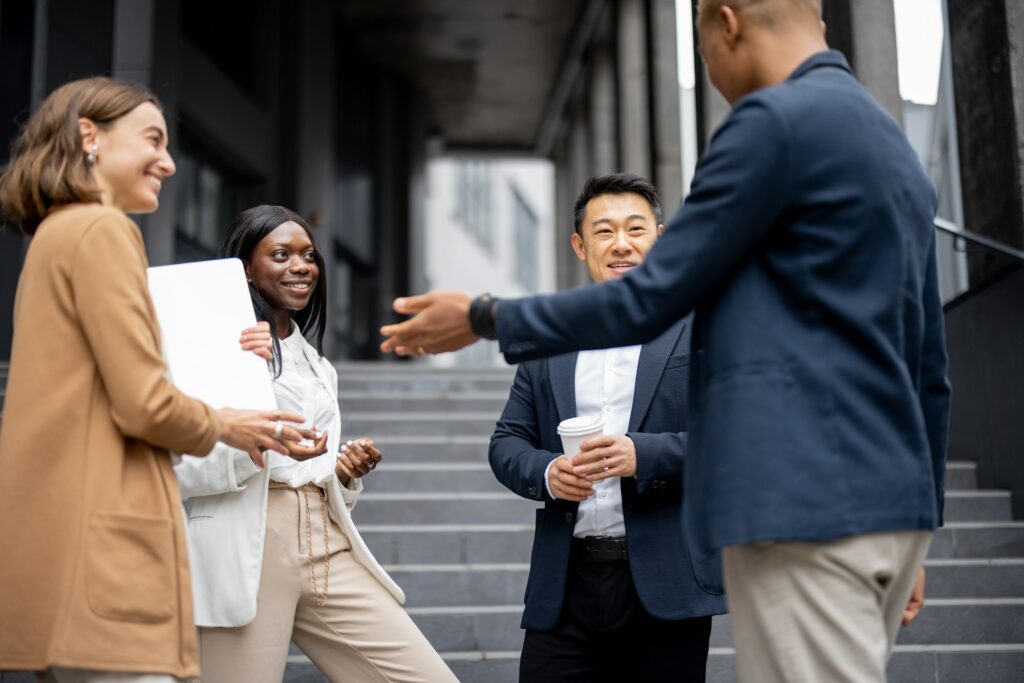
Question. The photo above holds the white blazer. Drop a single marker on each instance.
(226, 502)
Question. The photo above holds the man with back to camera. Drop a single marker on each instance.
(611, 593)
(819, 400)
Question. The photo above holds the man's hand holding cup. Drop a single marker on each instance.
(605, 456)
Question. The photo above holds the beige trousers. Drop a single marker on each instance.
(360, 635)
(813, 612)
(59, 674)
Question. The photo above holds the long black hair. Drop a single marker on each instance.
(248, 230)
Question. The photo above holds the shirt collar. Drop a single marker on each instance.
(294, 340)
(833, 58)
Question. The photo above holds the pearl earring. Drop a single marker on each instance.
(90, 158)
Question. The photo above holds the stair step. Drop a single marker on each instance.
(450, 507)
(496, 627)
(446, 584)
(422, 424)
(453, 476)
(975, 578)
(961, 475)
(429, 448)
(440, 543)
(503, 543)
(978, 539)
(450, 585)
(404, 402)
(978, 506)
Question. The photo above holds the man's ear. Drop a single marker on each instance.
(89, 131)
(661, 230)
(577, 246)
(730, 24)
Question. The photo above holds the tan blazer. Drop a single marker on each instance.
(95, 567)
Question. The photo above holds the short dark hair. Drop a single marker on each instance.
(248, 230)
(616, 183)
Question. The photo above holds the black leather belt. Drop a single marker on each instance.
(600, 549)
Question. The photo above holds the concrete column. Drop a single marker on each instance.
(602, 111)
(145, 51)
(987, 41)
(634, 93)
(865, 31)
(667, 144)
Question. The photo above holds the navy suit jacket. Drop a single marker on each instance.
(672, 580)
(819, 399)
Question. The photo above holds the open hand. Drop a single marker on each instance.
(565, 484)
(300, 451)
(356, 458)
(605, 456)
(257, 339)
(254, 431)
(440, 323)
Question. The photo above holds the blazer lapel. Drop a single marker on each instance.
(562, 373)
(653, 357)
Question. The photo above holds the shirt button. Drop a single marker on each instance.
(603, 494)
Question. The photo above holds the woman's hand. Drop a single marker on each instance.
(356, 459)
(257, 339)
(255, 431)
(300, 452)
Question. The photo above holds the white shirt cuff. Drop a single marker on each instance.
(546, 470)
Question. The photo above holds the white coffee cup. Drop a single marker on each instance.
(576, 430)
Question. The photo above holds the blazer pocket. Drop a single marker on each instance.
(681, 360)
(130, 567)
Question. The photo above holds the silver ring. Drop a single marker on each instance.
(278, 431)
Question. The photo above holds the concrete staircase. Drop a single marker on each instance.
(459, 543)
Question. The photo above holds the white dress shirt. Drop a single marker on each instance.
(604, 386)
(298, 390)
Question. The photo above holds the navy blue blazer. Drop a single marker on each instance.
(819, 399)
(672, 580)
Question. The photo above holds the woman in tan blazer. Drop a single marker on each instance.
(95, 583)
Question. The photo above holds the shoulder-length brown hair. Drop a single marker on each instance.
(48, 167)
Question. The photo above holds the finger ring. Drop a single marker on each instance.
(278, 431)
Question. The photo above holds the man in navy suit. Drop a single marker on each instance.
(819, 400)
(614, 590)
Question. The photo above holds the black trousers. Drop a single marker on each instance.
(605, 635)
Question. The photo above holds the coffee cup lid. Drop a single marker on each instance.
(580, 425)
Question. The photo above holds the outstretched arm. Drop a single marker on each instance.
(739, 190)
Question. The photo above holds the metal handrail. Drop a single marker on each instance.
(982, 241)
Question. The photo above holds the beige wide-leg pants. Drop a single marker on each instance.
(814, 612)
(362, 635)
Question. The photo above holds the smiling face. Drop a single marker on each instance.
(617, 231)
(283, 268)
(131, 158)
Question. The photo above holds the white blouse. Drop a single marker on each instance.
(298, 390)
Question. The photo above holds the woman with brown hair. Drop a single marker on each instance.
(95, 582)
